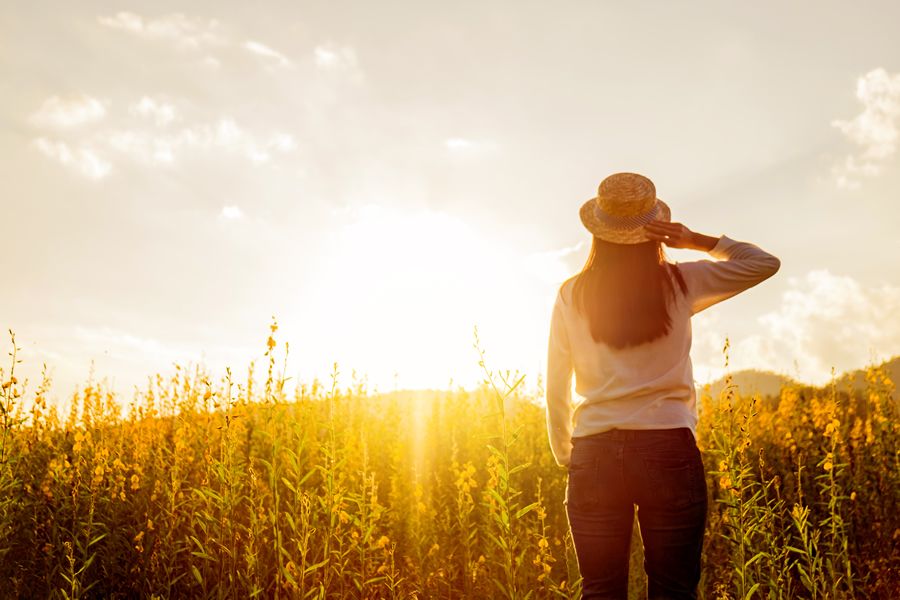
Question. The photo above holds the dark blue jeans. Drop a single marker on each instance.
(661, 472)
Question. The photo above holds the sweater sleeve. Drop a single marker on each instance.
(559, 387)
(742, 266)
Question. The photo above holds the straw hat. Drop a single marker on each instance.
(624, 203)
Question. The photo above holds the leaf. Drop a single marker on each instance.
(751, 591)
(287, 575)
(203, 555)
(499, 585)
(758, 556)
(495, 451)
(311, 568)
(525, 510)
(197, 574)
(494, 494)
(518, 468)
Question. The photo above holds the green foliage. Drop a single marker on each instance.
(231, 489)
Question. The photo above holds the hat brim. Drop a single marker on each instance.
(631, 235)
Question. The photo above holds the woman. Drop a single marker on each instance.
(622, 325)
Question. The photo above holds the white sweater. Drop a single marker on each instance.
(650, 386)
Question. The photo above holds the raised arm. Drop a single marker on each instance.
(741, 266)
(559, 387)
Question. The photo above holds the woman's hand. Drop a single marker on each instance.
(676, 235)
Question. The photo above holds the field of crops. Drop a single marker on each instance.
(229, 488)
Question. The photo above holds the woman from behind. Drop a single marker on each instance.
(622, 327)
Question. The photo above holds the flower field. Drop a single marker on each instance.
(228, 488)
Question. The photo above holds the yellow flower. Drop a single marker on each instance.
(382, 541)
(98, 475)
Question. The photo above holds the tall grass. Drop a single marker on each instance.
(229, 488)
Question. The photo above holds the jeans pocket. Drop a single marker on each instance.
(581, 486)
(675, 480)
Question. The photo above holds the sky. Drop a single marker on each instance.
(382, 178)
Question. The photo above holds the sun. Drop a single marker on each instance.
(400, 293)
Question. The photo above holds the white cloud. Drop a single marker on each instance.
(210, 62)
(282, 142)
(460, 144)
(272, 56)
(263, 152)
(143, 146)
(232, 212)
(551, 266)
(69, 111)
(706, 346)
(120, 343)
(825, 320)
(467, 147)
(357, 211)
(160, 111)
(154, 147)
(207, 35)
(330, 56)
(176, 28)
(874, 130)
(82, 160)
(846, 173)
(156, 143)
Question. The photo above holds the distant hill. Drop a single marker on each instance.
(751, 381)
(857, 378)
(767, 383)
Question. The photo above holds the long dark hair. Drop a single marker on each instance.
(623, 291)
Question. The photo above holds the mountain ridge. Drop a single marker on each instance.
(769, 383)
